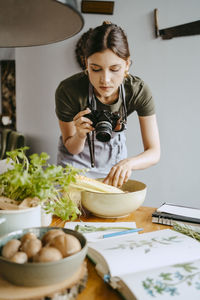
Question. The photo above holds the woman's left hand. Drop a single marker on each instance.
(119, 174)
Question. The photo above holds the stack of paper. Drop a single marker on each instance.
(167, 213)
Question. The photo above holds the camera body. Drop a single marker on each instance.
(104, 123)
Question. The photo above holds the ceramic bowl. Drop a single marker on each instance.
(115, 205)
(38, 274)
(14, 219)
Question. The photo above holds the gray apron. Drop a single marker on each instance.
(107, 154)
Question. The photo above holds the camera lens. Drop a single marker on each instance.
(103, 131)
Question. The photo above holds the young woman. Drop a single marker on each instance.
(107, 88)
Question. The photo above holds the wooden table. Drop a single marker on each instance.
(96, 288)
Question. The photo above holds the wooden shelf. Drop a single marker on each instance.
(97, 7)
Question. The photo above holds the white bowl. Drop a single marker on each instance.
(11, 220)
(115, 205)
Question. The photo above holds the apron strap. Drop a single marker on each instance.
(91, 98)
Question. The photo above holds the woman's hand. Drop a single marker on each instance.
(74, 133)
(82, 124)
(120, 173)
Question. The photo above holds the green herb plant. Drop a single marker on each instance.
(187, 230)
(34, 177)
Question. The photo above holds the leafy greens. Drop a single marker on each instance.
(34, 177)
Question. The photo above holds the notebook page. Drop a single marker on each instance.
(180, 210)
(174, 282)
(135, 253)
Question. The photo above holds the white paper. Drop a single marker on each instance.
(179, 210)
(173, 282)
(136, 253)
(98, 235)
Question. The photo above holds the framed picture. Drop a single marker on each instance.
(8, 94)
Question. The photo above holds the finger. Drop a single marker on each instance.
(106, 180)
(122, 178)
(117, 177)
(84, 129)
(86, 126)
(127, 176)
(86, 120)
(109, 178)
(81, 113)
(83, 122)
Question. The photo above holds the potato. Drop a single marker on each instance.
(47, 254)
(49, 235)
(28, 235)
(10, 248)
(31, 247)
(19, 257)
(67, 244)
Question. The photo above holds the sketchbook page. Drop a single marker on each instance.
(180, 210)
(98, 235)
(180, 281)
(135, 253)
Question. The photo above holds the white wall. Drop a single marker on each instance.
(170, 67)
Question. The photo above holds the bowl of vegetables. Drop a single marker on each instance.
(41, 255)
(110, 202)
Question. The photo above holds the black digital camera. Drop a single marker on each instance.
(104, 123)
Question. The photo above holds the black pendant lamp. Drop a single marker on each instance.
(25, 23)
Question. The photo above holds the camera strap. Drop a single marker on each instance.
(91, 148)
(124, 116)
(92, 106)
(91, 98)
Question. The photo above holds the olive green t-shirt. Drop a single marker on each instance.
(72, 97)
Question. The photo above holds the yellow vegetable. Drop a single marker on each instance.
(92, 185)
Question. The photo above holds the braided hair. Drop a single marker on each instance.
(80, 49)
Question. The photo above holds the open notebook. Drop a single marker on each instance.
(160, 265)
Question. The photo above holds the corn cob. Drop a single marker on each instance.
(92, 185)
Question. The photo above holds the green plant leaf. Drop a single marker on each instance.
(34, 177)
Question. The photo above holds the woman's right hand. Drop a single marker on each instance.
(83, 125)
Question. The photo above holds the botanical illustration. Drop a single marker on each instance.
(88, 228)
(148, 244)
(169, 283)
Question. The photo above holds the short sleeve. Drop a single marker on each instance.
(139, 97)
(71, 97)
(65, 109)
(145, 105)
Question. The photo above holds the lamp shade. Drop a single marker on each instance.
(38, 22)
